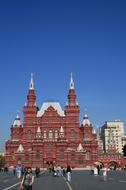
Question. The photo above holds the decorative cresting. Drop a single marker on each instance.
(80, 148)
(86, 120)
(20, 148)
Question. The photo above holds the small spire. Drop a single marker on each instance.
(86, 120)
(38, 130)
(71, 81)
(80, 148)
(61, 129)
(17, 121)
(31, 85)
(20, 148)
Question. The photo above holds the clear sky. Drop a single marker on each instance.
(51, 38)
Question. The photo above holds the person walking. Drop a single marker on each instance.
(14, 170)
(68, 171)
(98, 168)
(18, 171)
(28, 180)
(95, 171)
(105, 170)
(37, 171)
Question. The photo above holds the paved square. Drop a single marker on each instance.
(81, 180)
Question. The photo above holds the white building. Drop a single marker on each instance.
(113, 131)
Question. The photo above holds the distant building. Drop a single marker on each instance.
(113, 132)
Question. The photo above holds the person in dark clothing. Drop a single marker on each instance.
(37, 171)
(14, 170)
(98, 168)
(28, 180)
(68, 171)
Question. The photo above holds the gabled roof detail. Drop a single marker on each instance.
(46, 105)
(20, 148)
(17, 121)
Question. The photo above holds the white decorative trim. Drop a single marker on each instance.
(38, 130)
(86, 120)
(31, 85)
(71, 82)
(46, 105)
(80, 148)
(17, 121)
(20, 148)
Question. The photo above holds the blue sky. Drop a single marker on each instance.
(51, 39)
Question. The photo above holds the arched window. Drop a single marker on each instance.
(37, 155)
(61, 155)
(80, 161)
(87, 156)
(73, 157)
(29, 134)
(50, 134)
(45, 134)
(56, 134)
(19, 161)
(72, 135)
(27, 158)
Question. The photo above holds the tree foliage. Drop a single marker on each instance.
(2, 161)
(124, 150)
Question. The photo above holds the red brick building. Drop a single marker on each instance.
(52, 135)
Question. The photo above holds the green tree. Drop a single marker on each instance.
(2, 161)
(124, 150)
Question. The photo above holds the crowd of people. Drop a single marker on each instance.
(99, 170)
(27, 176)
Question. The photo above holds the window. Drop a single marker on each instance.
(29, 135)
(61, 156)
(80, 161)
(19, 161)
(56, 134)
(73, 157)
(72, 135)
(50, 134)
(27, 158)
(45, 135)
(87, 156)
(37, 155)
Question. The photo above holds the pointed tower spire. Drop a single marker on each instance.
(71, 81)
(31, 94)
(71, 95)
(86, 120)
(31, 85)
